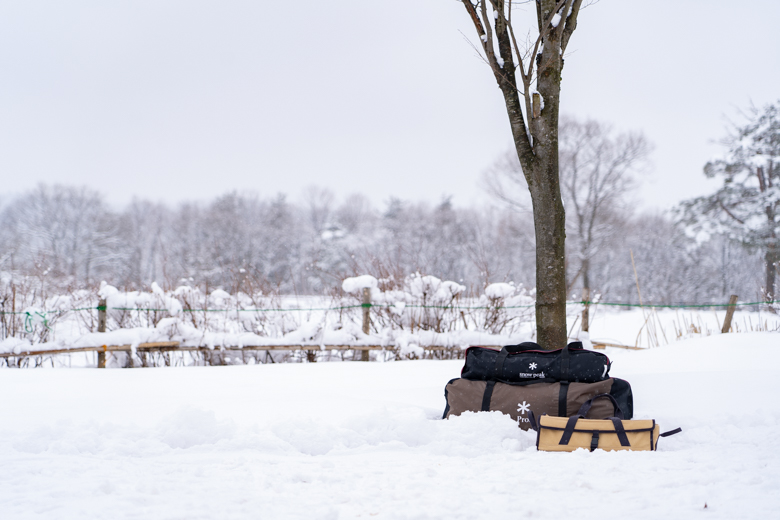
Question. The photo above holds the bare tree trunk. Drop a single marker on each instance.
(550, 227)
(535, 138)
(586, 274)
(586, 295)
(540, 167)
(549, 216)
(770, 259)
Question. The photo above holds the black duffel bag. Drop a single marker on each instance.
(517, 400)
(527, 362)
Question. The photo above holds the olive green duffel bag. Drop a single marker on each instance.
(611, 434)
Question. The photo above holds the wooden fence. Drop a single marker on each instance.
(143, 349)
(311, 350)
(451, 352)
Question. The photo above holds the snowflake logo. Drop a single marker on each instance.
(523, 407)
(532, 366)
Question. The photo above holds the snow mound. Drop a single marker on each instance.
(358, 283)
(499, 290)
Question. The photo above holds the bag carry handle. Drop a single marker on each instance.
(586, 406)
(525, 345)
(571, 424)
(565, 355)
(565, 363)
(498, 368)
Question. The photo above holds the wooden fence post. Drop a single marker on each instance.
(101, 358)
(729, 314)
(585, 317)
(366, 318)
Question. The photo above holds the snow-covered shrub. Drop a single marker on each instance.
(405, 316)
(425, 304)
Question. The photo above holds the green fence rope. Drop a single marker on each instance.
(681, 306)
(29, 326)
(389, 305)
(243, 310)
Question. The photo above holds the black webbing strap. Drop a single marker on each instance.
(563, 395)
(585, 408)
(671, 432)
(487, 396)
(532, 420)
(569, 429)
(565, 363)
(498, 369)
(594, 441)
(621, 432)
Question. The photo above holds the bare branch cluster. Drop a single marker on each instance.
(516, 65)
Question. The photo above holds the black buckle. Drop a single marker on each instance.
(594, 441)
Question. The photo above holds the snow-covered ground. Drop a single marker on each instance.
(652, 327)
(365, 440)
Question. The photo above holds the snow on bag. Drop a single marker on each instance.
(615, 433)
(529, 362)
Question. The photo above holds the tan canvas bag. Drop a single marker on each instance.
(612, 434)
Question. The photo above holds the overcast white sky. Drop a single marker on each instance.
(174, 100)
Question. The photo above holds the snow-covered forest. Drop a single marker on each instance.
(251, 270)
(62, 238)
(59, 238)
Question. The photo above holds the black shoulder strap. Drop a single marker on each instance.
(671, 432)
(565, 363)
(532, 420)
(621, 432)
(498, 369)
(569, 429)
(487, 396)
(563, 396)
(585, 408)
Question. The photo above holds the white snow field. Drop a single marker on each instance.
(365, 440)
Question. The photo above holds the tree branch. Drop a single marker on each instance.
(544, 30)
(483, 37)
(729, 213)
(504, 77)
(562, 22)
(489, 37)
(571, 24)
(508, 22)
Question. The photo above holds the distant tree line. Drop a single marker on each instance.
(708, 248)
(67, 237)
